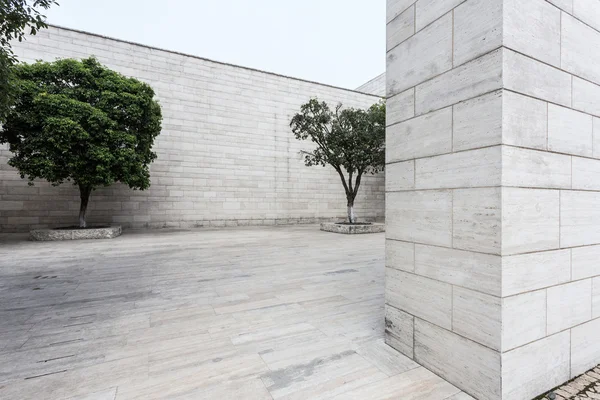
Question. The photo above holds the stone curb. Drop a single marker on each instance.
(47, 235)
(352, 229)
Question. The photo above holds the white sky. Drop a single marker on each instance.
(339, 42)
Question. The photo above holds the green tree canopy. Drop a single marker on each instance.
(79, 121)
(16, 17)
(350, 140)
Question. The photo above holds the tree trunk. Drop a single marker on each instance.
(351, 216)
(84, 193)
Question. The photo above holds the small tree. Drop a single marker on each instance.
(81, 122)
(350, 140)
(15, 17)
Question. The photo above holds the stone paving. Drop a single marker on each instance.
(587, 386)
(246, 313)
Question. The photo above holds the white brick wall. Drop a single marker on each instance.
(226, 155)
(493, 191)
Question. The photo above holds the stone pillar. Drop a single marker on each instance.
(493, 191)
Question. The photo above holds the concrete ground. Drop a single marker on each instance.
(245, 313)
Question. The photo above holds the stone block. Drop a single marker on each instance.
(585, 262)
(421, 57)
(586, 96)
(523, 319)
(530, 220)
(477, 271)
(533, 28)
(569, 305)
(473, 168)
(596, 137)
(472, 79)
(477, 220)
(536, 368)
(524, 121)
(422, 297)
(400, 176)
(579, 218)
(586, 174)
(535, 169)
(569, 131)
(585, 347)
(430, 10)
(396, 7)
(400, 255)
(596, 297)
(580, 48)
(423, 136)
(469, 365)
(528, 272)
(477, 29)
(401, 28)
(399, 330)
(477, 317)
(528, 76)
(478, 122)
(566, 5)
(400, 107)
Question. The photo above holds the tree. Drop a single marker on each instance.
(15, 17)
(350, 140)
(79, 121)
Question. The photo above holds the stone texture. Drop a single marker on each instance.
(585, 262)
(400, 176)
(588, 12)
(400, 255)
(528, 272)
(579, 218)
(586, 96)
(48, 235)
(585, 172)
(401, 28)
(477, 220)
(429, 10)
(596, 297)
(400, 107)
(585, 347)
(477, 29)
(478, 122)
(569, 131)
(399, 330)
(578, 56)
(345, 229)
(535, 169)
(524, 121)
(477, 316)
(518, 331)
(569, 305)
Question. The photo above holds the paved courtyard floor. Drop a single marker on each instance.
(248, 313)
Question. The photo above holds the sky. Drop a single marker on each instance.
(338, 42)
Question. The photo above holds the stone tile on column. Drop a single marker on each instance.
(473, 79)
(528, 272)
(430, 10)
(400, 255)
(585, 262)
(533, 28)
(472, 168)
(477, 317)
(523, 319)
(580, 48)
(536, 368)
(478, 122)
(400, 176)
(586, 96)
(569, 304)
(396, 7)
(470, 366)
(401, 28)
(400, 107)
(423, 136)
(477, 29)
(422, 297)
(569, 131)
(585, 347)
(587, 11)
(530, 220)
(535, 169)
(531, 77)
(579, 218)
(477, 220)
(477, 271)
(596, 297)
(586, 174)
(524, 121)
(421, 57)
(399, 330)
(422, 217)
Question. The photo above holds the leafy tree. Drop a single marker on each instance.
(79, 121)
(15, 17)
(350, 140)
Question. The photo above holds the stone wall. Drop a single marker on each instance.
(226, 155)
(375, 86)
(493, 191)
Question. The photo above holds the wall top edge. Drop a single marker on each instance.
(211, 61)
